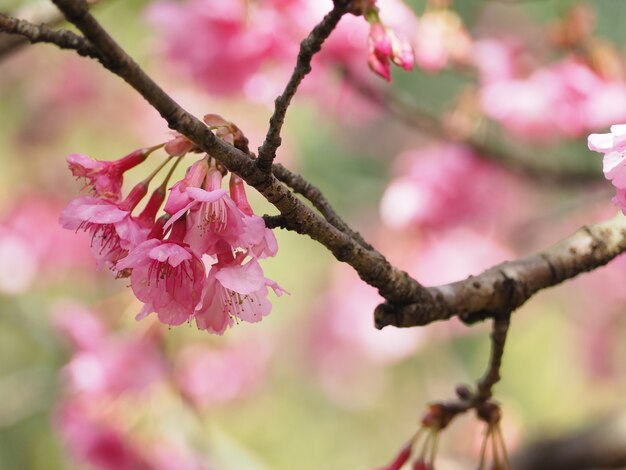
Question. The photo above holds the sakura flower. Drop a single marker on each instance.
(212, 216)
(103, 177)
(613, 146)
(234, 291)
(112, 229)
(256, 237)
(168, 276)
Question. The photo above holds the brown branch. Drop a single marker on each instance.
(308, 48)
(371, 266)
(506, 286)
(315, 196)
(424, 122)
(480, 398)
(492, 375)
(36, 14)
(34, 33)
(600, 446)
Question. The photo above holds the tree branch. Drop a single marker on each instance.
(492, 375)
(308, 48)
(39, 13)
(315, 196)
(506, 286)
(41, 33)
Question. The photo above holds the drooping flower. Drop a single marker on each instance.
(167, 275)
(259, 239)
(112, 229)
(105, 178)
(211, 216)
(234, 291)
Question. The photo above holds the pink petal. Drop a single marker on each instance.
(244, 279)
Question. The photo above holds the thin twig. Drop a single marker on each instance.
(38, 13)
(308, 48)
(316, 197)
(498, 340)
(35, 33)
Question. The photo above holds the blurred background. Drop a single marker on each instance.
(476, 156)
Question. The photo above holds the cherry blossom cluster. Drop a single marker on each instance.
(613, 146)
(198, 261)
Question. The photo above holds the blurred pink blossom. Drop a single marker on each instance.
(258, 42)
(346, 352)
(203, 37)
(33, 247)
(443, 186)
(96, 442)
(565, 98)
(106, 365)
(214, 376)
(441, 38)
(455, 254)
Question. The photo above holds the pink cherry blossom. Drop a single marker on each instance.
(259, 239)
(168, 276)
(613, 146)
(112, 229)
(212, 216)
(105, 178)
(234, 291)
